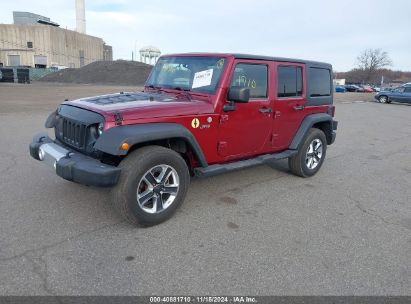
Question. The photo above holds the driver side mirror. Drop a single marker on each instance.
(238, 94)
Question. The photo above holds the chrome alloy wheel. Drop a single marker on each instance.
(157, 189)
(314, 154)
(383, 99)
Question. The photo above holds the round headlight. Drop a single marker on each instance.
(100, 128)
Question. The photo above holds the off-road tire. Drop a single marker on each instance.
(297, 163)
(133, 168)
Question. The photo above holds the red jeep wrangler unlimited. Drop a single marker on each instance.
(198, 115)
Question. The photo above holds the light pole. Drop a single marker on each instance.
(135, 48)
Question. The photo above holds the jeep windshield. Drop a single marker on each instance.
(194, 74)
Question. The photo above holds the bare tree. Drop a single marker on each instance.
(371, 60)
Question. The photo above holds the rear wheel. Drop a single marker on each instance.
(153, 184)
(310, 155)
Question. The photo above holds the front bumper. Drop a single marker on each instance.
(72, 165)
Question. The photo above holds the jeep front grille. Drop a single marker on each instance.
(74, 133)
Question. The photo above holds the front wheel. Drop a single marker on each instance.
(383, 99)
(153, 184)
(310, 155)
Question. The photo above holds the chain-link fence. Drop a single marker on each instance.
(22, 75)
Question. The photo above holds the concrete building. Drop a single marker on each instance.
(339, 82)
(36, 41)
(30, 18)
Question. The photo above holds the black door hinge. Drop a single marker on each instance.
(118, 118)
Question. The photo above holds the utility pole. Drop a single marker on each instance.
(135, 48)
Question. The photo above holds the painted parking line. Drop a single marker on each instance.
(356, 101)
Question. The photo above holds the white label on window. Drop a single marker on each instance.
(202, 78)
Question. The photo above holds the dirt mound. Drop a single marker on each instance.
(119, 72)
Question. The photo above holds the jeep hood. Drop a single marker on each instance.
(139, 105)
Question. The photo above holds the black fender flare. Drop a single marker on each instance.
(112, 139)
(305, 126)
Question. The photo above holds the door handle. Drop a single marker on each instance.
(265, 110)
(298, 108)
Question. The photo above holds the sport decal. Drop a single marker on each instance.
(195, 123)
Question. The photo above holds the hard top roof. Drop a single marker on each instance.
(283, 59)
(256, 57)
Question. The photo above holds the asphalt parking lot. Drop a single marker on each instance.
(261, 231)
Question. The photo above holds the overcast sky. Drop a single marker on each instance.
(324, 30)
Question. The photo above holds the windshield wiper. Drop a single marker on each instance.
(180, 89)
(158, 89)
(184, 92)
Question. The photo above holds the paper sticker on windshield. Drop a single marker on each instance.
(202, 78)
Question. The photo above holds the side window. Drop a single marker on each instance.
(253, 76)
(320, 82)
(290, 81)
(407, 90)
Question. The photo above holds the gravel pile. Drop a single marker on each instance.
(119, 72)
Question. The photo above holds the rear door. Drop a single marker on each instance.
(246, 130)
(289, 102)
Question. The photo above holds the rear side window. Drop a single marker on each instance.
(407, 89)
(290, 81)
(252, 76)
(320, 82)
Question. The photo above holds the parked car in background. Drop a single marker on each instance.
(387, 89)
(340, 89)
(353, 88)
(376, 89)
(367, 89)
(58, 67)
(401, 94)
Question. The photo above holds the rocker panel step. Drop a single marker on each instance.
(242, 164)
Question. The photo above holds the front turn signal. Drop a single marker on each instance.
(125, 146)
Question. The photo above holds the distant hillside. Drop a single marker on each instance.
(119, 72)
(357, 76)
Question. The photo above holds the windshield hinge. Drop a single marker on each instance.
(118, 118)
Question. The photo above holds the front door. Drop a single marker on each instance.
(404, 95)
(407, 95)
(246, 130)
